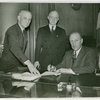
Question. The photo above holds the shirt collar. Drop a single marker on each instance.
(22, 29)
(77, 52)
(50, 26)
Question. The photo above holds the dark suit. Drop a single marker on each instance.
(14, 48)
(50, 46)
(86, 61)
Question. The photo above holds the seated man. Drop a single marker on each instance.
(80, 60)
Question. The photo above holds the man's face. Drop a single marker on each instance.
(53, 18)
(24, 19)
(76, 41)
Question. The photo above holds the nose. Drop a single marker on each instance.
(73, 44)
(27, 21)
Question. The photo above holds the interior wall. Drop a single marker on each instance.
(39, 12)
(76, 20)
(82, 20)
(8, 16)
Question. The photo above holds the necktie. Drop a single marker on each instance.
(52, 28)
(24, 32)
(74, 57)
(24, 39)
(74, 54)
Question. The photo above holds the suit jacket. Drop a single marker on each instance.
(14, 47)
(50, 46)
(86, 61)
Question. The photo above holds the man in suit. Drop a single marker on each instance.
(13, 57)
(80, 60)
(51, 43)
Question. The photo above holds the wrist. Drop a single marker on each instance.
(28, 62)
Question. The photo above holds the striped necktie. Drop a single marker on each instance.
(73, 57)
(24, 39)
(52, 29)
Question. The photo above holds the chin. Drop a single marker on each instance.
(25, 26)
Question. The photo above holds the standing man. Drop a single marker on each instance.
(51, 43)
(15, 43)
(80, 60)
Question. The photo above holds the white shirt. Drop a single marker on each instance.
(77, 52)
(22, 29)
(50, 26)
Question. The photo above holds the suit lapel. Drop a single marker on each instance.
(71, 59)
(79, 57)
(22, 39)
(25, 41)
(48, 29)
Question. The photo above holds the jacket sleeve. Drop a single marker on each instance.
(38, 45)
(14, 47)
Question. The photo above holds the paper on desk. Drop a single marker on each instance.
(46, 73)
(27, 85)
(65, 71)
(78, 89)
(70, 71)
(26, 76)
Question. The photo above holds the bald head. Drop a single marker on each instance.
(76, 40)
(54, 13)
(24, 12)
(53, 17)
(76, 33)
(24, 18)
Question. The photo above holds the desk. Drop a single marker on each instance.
(45, 87)
(51, 90)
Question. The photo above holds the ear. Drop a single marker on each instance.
(58, 18)
(18, 18)
(48, 17)
(81, 40)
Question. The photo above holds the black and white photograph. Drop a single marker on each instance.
(49, 49)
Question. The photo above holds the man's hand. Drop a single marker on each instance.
(66, 71)
(36, 64)
(51, 68)
(31, 67)
(70, 71)
(62, 70)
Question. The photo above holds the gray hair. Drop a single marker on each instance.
(24, 11)
(75, 33)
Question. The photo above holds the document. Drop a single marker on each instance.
(26, 76)
(46, 73)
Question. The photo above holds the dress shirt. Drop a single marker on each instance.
(77, 52)
(54, 27)
(22, 29)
